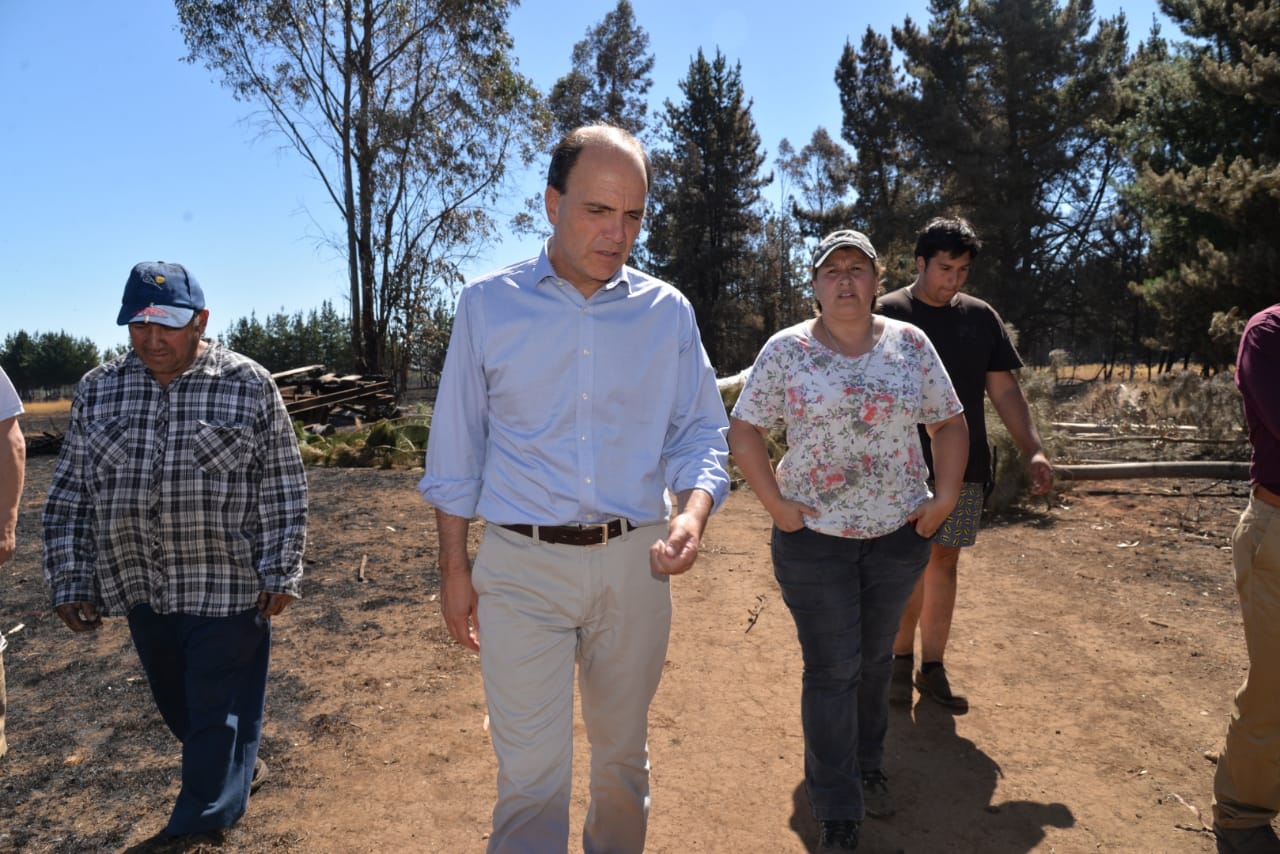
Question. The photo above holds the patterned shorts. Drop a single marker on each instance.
(961, 527)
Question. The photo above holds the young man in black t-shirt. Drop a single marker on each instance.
(978, 354)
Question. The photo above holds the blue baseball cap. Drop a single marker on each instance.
(162, 293)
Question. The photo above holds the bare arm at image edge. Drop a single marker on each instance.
(13, 466)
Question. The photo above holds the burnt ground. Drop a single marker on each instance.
(1097, 635)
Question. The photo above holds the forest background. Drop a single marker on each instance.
(1128, 200)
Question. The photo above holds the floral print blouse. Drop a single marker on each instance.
(853, 447)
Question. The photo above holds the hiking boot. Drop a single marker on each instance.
(1247, 840)
(900, 693)
(260, 772)
(836, 835)
(935, 686)
(875, 795)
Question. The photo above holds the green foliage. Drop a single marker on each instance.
(998, 113)
(411, 113)
(46, 360)
(823, 174)
(1203, 122)
(384, 444)
(610, 77)
(704, 206)
(893, 181)
(284, 342)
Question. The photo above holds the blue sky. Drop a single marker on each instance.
(116, 151)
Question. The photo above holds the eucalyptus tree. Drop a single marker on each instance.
(410, 112)
(705, 208)
(609, 81)
(822, 173)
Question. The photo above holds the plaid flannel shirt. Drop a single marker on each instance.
(191, 498)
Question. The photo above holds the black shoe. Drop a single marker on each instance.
(837, 835)
(876, 799)
(935, 686)
(1247, 840)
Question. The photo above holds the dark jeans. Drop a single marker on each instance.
(208, 676)
(846, 597)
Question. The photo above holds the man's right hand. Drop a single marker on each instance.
(459, 605)
(79, 616)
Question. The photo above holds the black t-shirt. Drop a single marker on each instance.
(971, 340)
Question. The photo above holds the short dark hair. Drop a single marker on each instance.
(951, 234)
(565, 154)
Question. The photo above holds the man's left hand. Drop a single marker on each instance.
(272, 604)
(679, 550)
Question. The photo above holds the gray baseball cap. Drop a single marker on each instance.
(844, 239)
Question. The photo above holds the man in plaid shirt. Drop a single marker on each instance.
(179, 500)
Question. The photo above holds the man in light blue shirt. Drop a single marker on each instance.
(575, 394)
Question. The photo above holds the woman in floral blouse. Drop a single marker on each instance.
(851, 508)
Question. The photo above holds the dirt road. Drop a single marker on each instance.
(1098, 640)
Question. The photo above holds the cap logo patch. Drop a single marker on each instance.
(151, 311)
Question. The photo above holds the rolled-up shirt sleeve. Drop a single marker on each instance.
(697, 448)
(459, 421)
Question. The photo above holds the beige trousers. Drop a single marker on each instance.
(543, 608)
(1246, 786)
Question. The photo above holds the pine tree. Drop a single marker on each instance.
(1000, 117)
(1204, 127)
(893, 186)
(704, 206)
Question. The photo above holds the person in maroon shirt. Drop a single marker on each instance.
(1246, 786)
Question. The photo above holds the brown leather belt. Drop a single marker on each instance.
(1265, 495)
(574, 535)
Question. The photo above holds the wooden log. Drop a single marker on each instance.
(1207, 469)
(293, 372)
(1083, 427)
(1109, 438)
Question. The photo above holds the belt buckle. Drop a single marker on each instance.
(604, 533)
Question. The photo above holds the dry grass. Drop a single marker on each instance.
(47, 408)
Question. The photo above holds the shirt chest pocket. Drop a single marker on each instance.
(222, 447)
(107, 442)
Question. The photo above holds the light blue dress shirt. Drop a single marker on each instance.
(555, 409)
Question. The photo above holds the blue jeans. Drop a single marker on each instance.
(846, 597)
(208, 676)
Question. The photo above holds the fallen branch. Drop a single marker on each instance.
(1110, 438)
(1210, 469)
